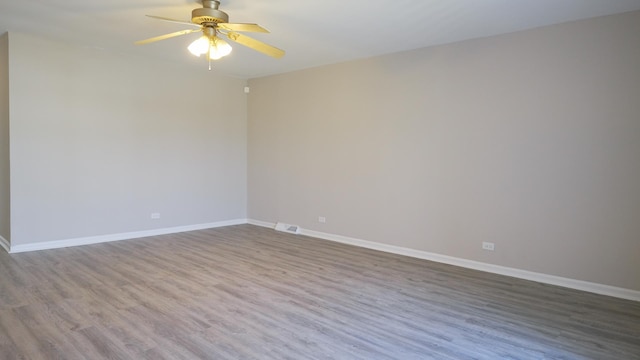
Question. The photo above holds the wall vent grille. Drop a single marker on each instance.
(293, 229)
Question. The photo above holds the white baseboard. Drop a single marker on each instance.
(475, 265)
(261, 223)
(118, 237)
(5, 244)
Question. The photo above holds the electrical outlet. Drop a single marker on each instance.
(488, 246)
(155, 215)
(322, 219)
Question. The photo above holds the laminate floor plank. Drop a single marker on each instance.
(246, 292)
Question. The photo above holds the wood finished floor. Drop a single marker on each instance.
(245, 292)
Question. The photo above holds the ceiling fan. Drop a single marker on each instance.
(213, 23)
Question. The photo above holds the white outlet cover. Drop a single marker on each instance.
(488, 246)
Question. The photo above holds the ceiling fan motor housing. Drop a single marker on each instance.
(209, 13)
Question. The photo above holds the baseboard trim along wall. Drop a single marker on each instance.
(5, 244)
(470, 264)
(117, 237)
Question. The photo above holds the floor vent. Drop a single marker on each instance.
(293, 229)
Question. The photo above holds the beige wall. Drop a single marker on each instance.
(530, 140)
(5, 221)
(99, 141)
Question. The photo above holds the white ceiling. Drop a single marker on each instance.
(312, 32)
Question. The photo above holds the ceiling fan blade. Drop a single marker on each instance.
(172, 20)
(255, 44)
(165, 36)
(242, 27)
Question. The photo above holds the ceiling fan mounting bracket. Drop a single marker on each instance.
(209, 13)
(209, 31)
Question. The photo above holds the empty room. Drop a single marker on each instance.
(365, 179)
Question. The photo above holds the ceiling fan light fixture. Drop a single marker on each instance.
(219, 48)
(213, 45)
(200, 46)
